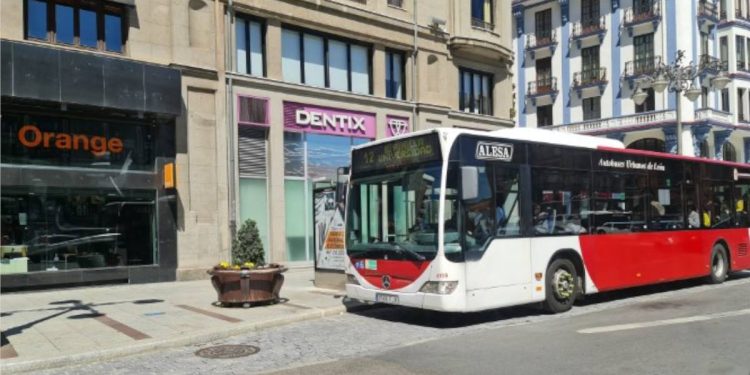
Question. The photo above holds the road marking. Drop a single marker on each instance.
(666, 322)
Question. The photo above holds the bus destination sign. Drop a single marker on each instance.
(396, 154)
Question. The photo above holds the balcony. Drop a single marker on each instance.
(540, 45)
(642, 19)
(639, 67)
(590, 81)
(712, 115)
(618, 123)
(591, 29)
(481, 24)
(542, 91)
(707, 61)
(707, 14)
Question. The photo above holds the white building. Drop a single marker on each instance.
(578, 64)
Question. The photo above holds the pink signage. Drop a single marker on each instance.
(396, 125)
(325, 120)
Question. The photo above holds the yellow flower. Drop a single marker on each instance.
(249, 264)
(236, 267)
(223, 265)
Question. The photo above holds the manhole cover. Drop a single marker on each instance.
(227, 351)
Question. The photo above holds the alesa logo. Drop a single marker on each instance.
(494, 151)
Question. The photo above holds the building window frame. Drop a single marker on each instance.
(248, 64)
(327, 38)
(475, 104)
(102, 9)
(592, 108)
(486, 18)
(391, 86)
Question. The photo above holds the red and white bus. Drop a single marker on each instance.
(460, 220)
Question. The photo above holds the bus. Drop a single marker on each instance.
(460, 220)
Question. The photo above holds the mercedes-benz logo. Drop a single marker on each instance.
(386, 282)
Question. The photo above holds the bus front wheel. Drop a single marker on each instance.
(719, 265)
(561, 286)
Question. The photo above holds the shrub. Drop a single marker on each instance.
(247, 246)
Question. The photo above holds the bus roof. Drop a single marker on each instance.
(521, 134)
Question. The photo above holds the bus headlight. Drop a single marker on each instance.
(351, 279)
(439, 287)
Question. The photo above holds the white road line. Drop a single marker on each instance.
(656, 323)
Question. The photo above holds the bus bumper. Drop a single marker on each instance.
(454, 302)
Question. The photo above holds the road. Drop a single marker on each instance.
(678, 328)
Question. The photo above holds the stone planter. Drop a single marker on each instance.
(248, 286)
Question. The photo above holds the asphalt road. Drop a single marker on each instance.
(678, 328)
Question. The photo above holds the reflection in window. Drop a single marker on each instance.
(249, 46)
(36, 19)
(561, 201)
(325, 154)
(87, 28)
(58, 229)
(63, 24)
(664, 197)
(294, 154)
(113, 32)
(619, 203)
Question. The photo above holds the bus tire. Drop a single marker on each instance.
(561, 286)
(719, 265)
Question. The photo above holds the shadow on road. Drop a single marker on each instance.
(435, 319)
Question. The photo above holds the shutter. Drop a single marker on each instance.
(253, 110)
(252, 151)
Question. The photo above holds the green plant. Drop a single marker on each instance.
(247, 246)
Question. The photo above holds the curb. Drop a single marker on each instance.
(195, 338)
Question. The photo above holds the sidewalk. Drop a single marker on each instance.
(72, 326)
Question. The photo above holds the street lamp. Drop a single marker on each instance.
(679, 78)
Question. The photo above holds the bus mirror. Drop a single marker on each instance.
(469, 183)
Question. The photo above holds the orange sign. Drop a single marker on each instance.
(169, 176)
(30, 136)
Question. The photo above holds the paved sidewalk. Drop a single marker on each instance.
(65, 327)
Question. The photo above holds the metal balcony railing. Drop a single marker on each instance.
(542, 86)
(706, 9)
(641, 14)
(589, 27)
(642, 66)
(481, 24)
(591, 76)
(543, 39)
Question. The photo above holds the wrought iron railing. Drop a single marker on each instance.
(642, 14)
(589, 27)
(591, 76)
(642, 66)
(542, 39)
(542, 86)
(482, 24)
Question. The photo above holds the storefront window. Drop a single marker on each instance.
(50, 229)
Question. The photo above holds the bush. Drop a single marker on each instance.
(247, 246)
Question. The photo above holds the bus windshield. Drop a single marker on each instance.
(395, 215)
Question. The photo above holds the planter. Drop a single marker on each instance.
(248, 286)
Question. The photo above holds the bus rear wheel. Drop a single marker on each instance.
(719, 265)
(561, 286)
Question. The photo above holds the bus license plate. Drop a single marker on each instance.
(386, 298)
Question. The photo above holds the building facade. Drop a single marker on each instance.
(113, 150)
(307, 80)
(138, 134)
(579, 63)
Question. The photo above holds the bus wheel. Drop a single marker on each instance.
(562, 287)
(719, 265)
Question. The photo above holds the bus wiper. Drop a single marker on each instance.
(403, 250)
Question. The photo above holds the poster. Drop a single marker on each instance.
(330, 246)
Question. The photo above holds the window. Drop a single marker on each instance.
(322, 61)
(83, 23)
(619, 203)
(723, 9)
(396, 3)
(544, 115)
(543, 25)
(642, 6)
(724, 50)
(590, 65)
(644, 53)
(649, 144)
(253, 111)
(704, 97)
(740, 105)
(561, 201)
(544, 74)
(592, 109)
(728, 152)
(740, 46)
(394, 75)
(664, 197)
(725, 100)
(475, 92)
(250, 46)
(589, 13)
(704, 43)
(703, 149)
(481, 13)
(649, 104)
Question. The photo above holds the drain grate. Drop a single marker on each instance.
(227, 351)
